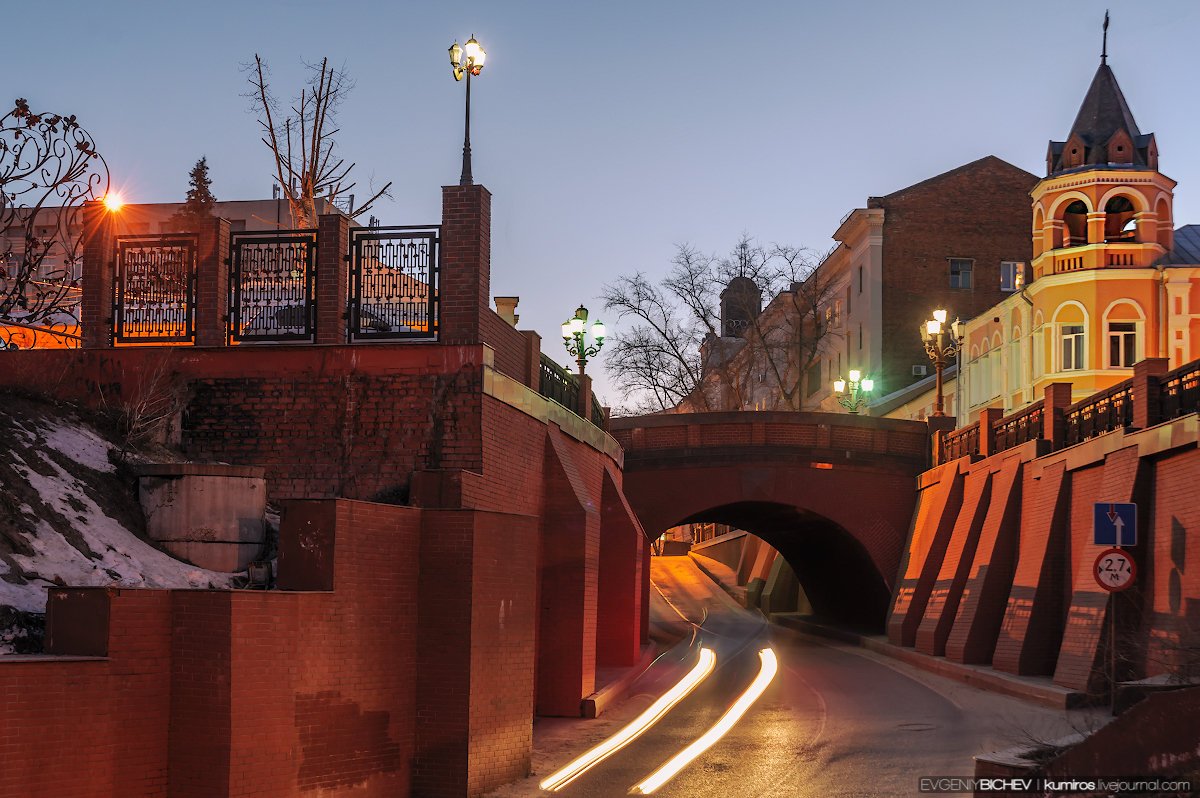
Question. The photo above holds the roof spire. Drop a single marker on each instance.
(1104, 51)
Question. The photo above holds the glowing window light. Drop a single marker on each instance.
(770, 666)
(636, 727)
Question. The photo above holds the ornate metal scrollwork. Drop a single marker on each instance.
(49, 166)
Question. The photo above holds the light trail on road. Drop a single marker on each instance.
(770, 666)
(707, 662)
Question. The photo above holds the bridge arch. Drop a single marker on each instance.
(833, 493)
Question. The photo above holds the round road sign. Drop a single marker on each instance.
(1114, 570)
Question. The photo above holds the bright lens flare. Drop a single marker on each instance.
(770, 666)
(636, 727)
(113, 202)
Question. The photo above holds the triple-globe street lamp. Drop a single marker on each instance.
(854, 395)
(467, 61)
(939, 348)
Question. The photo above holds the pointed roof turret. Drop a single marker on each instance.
(1104, 131)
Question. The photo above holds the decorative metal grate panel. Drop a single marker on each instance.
(155, 291)
(272, 280)
(394, 283)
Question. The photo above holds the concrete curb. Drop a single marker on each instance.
(1027, 688)
(597, 702)
(704, 564)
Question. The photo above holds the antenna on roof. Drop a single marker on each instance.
(1104, 51)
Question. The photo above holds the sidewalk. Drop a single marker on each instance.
(1039, 690)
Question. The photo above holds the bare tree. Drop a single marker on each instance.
(49, 167)
(671, 352)
(303, 142)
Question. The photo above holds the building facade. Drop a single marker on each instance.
(1112, 280)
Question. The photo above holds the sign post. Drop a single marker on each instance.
(1114, 524)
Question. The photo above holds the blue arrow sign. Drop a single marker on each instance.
(1114, 524)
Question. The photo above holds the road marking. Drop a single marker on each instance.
(668, 771)
(653, 713)
(822, 706)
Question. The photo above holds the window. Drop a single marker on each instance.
(960, 272)
(1122, 344)
(837, 313)
(860, 279)
(1072, 347)
(814, 378)
(1012, 275)
(860, 336)
(849, 293)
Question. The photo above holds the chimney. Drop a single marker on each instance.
(506, 306)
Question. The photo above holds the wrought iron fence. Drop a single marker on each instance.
(960, 443)
(1099, 413)
(1020, 427)
(555, 382)
(155, 290)
(393, 282)
(272, 281)
(597, 413)
(1179, 392)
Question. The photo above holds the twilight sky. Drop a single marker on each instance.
(610, 131)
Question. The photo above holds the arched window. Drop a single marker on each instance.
(1123, 330)
(1075, 219)
(1119, 224)
(1070, 323)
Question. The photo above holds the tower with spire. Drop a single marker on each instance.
(1103, 202)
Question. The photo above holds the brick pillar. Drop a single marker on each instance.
(1146, 376)
(619, 582)
(585, 397)
(333, 242)
(96, 313)
(987, 430)
(1054, 422)
(465, 280)
(939, 427)
(212, 284)
(533, 356)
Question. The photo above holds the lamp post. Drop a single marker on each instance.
(467, 60)
(854, 395)
(939, 348)
(574, 332)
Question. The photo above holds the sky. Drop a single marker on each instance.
(609, 132)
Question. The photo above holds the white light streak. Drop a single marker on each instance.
(636, 727)
(770, 666)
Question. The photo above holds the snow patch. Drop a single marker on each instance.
(80, 444)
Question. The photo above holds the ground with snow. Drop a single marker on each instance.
(69, 516)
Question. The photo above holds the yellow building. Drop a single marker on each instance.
(1110, 283)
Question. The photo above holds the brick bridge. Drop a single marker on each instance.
(833, 493)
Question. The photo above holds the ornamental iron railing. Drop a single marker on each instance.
(393, 283)
(155, 289)
(1026, 425)
(556, 383)
(960, 443)
(1101, 412)
(272, 283)
(1179, 392)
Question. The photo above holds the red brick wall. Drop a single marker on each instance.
(981, 211)
(59, 719)
(510, 346)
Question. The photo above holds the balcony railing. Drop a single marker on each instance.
(555, 382)
(960, 443)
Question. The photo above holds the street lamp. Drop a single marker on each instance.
(856, 396)
(939, 348)
(574, 338)
(467, 61)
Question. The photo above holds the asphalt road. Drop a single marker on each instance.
(836, 720)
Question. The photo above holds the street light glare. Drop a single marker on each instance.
(940, 315)
(855, 375)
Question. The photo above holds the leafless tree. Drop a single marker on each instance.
(49, 167)
(670, 349)
(303, 142)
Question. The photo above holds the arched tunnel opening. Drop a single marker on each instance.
(836, 576)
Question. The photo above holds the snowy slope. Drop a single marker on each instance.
(68, 517)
